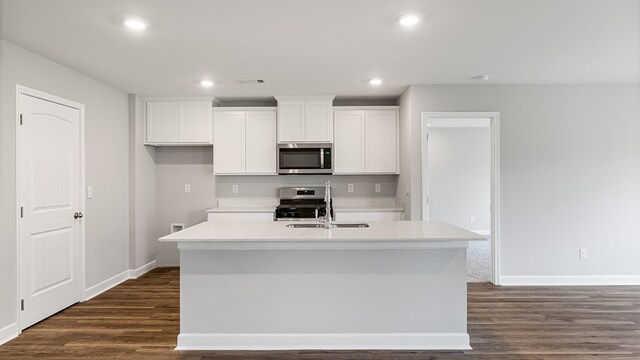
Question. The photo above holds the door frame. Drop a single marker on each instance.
(494, 118)
(23, 90)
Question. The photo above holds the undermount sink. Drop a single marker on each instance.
(320, 226)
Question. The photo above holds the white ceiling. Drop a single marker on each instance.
(330, 46)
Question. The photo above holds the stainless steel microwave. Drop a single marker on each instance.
(305, 158)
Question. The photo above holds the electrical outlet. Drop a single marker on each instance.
(583, 254)
(378, 188)
(234, 188)
(89, 192)
(350, 187)
(187, 188)
(472, 219)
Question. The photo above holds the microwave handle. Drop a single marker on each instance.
(321, 158)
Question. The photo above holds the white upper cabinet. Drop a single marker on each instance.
(244, 141)
(366, 140)
(381, 141)
(349, 142)
(305, 118)
(162, 122)
(229, 142)
(178, 122)
(260, 135)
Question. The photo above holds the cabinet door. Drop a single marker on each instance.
(229, 143)
(195, 122)
(290, 120)
(162, 122)
(381, 143)
(260, 132)
(348, 146)
(318, 120)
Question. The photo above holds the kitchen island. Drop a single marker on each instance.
(265, 286)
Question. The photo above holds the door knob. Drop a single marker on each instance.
(78, 215)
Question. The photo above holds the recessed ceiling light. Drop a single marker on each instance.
(375, 81)
(206, 83)
(409, 19)
(135, 24)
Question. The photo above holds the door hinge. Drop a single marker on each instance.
(21, 211)
(20, 119)
(22, 304)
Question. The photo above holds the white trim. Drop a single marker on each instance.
(103, 286)
(393, 341)
(495, 177)
(9, 332)
(365, 108)
(136, 273)
(482, 232)
(117, 279)
(574, 280)
(20, 89)
(451, 123)
(244, 108)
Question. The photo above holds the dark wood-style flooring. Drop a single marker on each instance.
(139, 319)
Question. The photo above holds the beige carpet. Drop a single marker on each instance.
(479, 261)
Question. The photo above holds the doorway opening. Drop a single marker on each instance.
(460, 172)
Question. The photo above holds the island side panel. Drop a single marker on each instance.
(231, 298)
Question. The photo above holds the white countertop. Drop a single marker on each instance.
(268, 209)
(276, 231)
(256, 209)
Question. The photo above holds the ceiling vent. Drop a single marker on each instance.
(258, 81)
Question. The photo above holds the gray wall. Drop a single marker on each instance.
(570, 158)
(460, 176)
(107, 155)
(142, 186)
(403, 193)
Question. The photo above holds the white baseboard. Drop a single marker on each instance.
(595, 280)
(409, 341)
(136, 273)
(101, 287)
(9, 332)
(115, 280)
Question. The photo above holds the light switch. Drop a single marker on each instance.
(89, 192)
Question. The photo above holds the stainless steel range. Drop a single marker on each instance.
(302, 203)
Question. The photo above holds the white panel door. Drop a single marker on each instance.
(162, 122)
(290, 120)
(49, 176)
(229, 142)
(381, 141)
(260, 131)
(195, 122)
(348, 143)
(318, 120)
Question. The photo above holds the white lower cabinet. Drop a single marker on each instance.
(366, 140)
(369, 215)
(240, 216)
(244, 141)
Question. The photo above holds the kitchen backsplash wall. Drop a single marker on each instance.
(267, 186)
(193, 165)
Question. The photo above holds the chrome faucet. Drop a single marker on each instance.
(328, 221)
